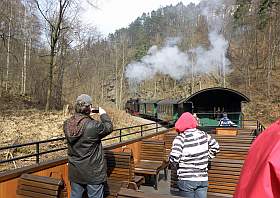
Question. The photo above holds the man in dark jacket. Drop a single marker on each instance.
(87, 166)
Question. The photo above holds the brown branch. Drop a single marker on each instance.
(41, 11)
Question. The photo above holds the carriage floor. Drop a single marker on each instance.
(164, 187)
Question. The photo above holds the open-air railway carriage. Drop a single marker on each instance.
(224, 170)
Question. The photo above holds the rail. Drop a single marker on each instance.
(58, 144)
(259, 129)
(120, 136)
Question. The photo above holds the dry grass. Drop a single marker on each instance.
(21, 121)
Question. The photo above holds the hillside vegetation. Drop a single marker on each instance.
(22, 120)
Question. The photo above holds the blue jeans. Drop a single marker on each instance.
(93, 191)
(193, 189)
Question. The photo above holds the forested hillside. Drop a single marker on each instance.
(174, 51)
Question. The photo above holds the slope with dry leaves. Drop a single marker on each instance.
(22, 121)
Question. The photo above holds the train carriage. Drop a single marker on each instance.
(168, 110)
(148, 108)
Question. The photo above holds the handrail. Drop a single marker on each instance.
(37, 153)
(260, 128)
(120, 135)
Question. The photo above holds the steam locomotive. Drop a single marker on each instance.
(208, 104)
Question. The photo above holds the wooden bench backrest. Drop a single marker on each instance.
(119, 165)
(168, 139)
(119, 170)
(153, 150)
(40, 186)
(223, 175)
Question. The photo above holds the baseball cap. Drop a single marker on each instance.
(85, 99)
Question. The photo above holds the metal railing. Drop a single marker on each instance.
(38, 151)
(260, 128)
(120, 136)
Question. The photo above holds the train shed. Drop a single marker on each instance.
(210, 103)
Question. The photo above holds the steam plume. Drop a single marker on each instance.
(171, 61)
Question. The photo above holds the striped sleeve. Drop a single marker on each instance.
(177, 149)
(214, 147)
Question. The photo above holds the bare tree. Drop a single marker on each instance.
(8, 50)
(54, 15)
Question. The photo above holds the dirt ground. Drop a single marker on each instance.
(22, 121)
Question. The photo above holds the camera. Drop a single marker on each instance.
(95, 110)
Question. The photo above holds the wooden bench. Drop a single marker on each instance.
(40, 186)
(226, 167)
(168, 140)
(120, 169)
(152, 159)
(224, 175)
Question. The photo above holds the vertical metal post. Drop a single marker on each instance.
(37, 153)
(120, 135)
(141, 130)
(156, 126)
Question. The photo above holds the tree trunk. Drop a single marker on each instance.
(121, 80)
(23, 74)
(269, 68)
(50, 80)
(23, 71)
(60, 76)
(116, 76)
(8, 52)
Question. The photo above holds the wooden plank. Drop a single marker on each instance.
(38, 190)
(37, 184)
(226, 131)
(34, 194)
(42, 179)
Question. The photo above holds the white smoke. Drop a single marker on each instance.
(214, 57)
(169, 60)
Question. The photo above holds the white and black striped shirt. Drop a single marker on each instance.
(191, 150)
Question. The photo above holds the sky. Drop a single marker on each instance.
(115, 14)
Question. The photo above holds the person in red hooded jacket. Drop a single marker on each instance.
(190, 154)
(260, 175)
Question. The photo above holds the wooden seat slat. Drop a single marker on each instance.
(38, 189)
(224, 179)
(22, 182)
(34, 194)
(42, 179)
(39, 186)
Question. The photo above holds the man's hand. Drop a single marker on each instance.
(101, 111)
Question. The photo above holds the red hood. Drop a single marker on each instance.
(186, 121)
(260, 176)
